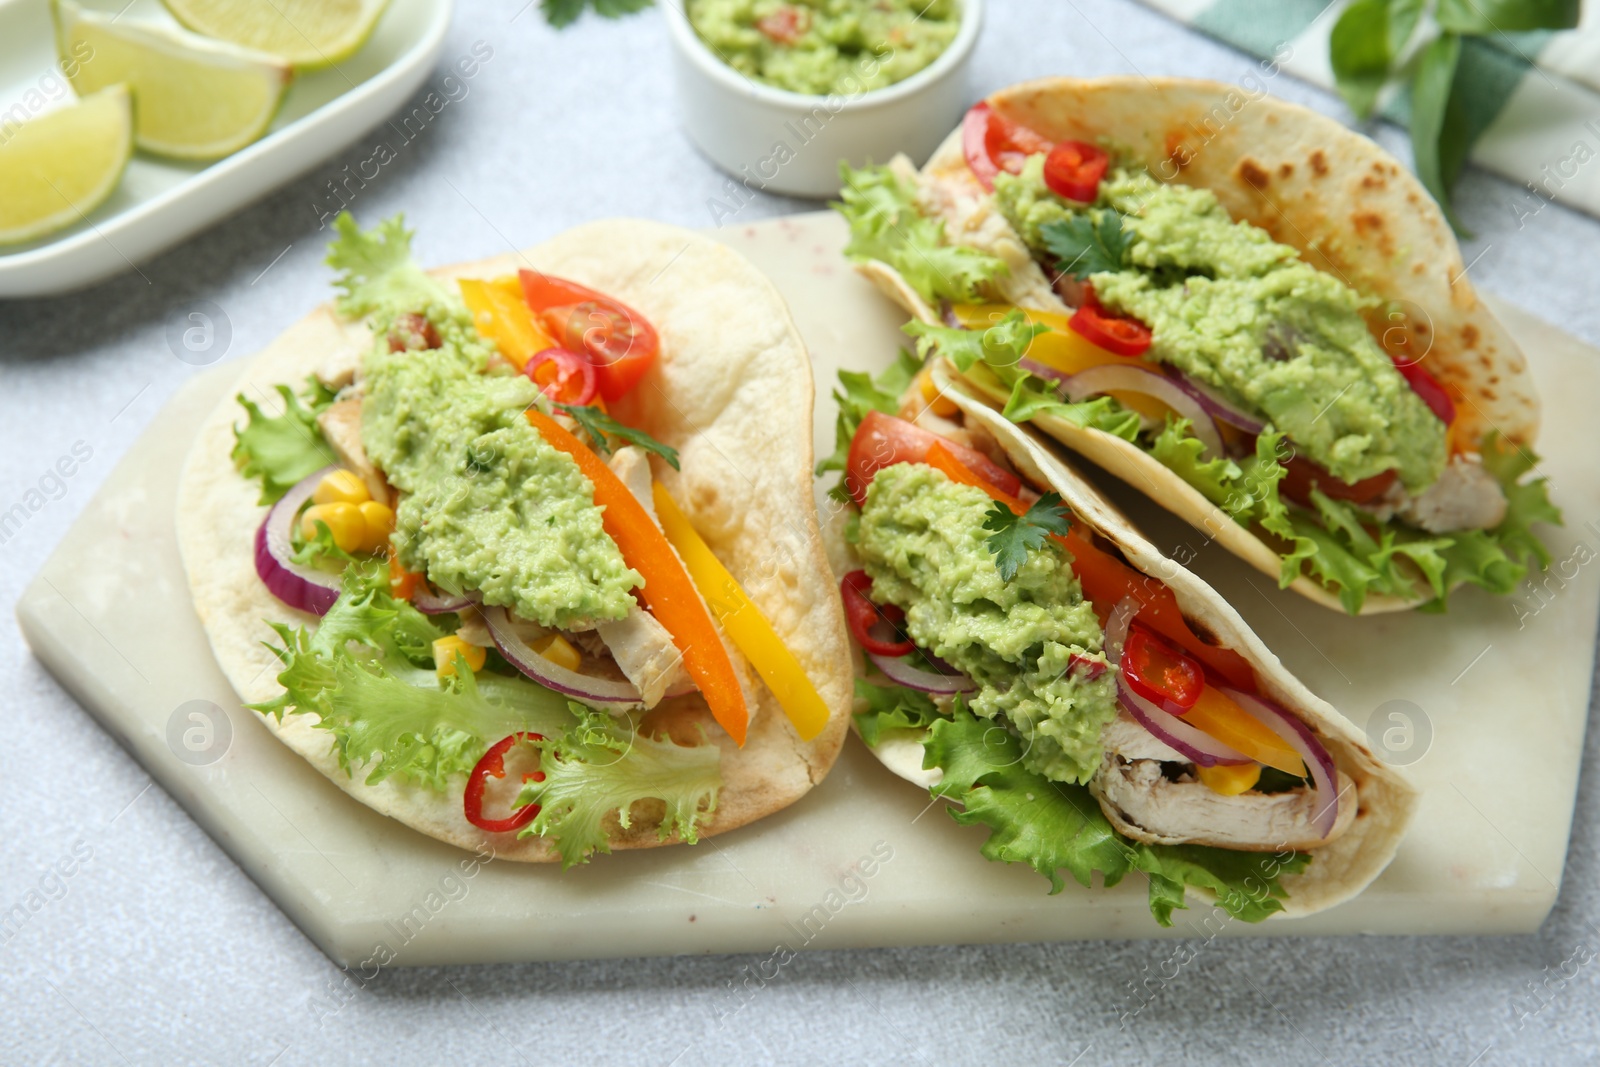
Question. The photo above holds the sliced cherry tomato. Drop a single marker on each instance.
(1160, 673)
(1301, 476)
(883, 440)
(412, 332)
(566, 377)
(1073, 169)
(785, 25)
(1428, 388)
(493, 765)
(621, 342)
(863, 615)
(1125, 337)
(993, 143)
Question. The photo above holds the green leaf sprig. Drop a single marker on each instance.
(1016, 535)
(598, 425)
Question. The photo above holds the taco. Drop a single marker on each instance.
(531, 557)
(1038, 663)
(1237, 306)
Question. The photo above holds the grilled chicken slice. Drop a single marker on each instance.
(341, 427)
(1466, 497)
(645, 652)
(1144, 804)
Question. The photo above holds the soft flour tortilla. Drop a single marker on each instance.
(732, 391)
(1344, 203)
(1338, 871)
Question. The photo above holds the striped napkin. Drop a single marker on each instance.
(1534, 97)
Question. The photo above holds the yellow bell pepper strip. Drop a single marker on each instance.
(1229, 779)
(750, 630)
(1062, 348)
(668, 592)
(504, 319)
(1217, 714)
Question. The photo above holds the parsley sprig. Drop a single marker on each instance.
(1016, 535)
(601, 427)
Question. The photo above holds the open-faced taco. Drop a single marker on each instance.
(1037, 662)
(1239, 307)
(526, 549)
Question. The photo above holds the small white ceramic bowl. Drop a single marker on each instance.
(777, 141)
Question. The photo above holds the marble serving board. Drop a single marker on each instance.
(1486, 706)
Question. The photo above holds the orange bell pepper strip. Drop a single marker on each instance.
(668, 593)
(1220, 716)
(745, 624)
(402, 583)
(502, 317)
(1107, 580)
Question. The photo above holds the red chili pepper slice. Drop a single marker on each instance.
(1123, 337)
(493, 765)
(862, 615)
(1160, 673)
(1073, 169)
(567, 377)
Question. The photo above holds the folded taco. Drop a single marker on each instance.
(1238, 306)
(1035, 661)
(525, 550)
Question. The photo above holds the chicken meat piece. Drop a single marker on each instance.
(340, 424)
(644, 651)
(1466, 497)
(1146, 805)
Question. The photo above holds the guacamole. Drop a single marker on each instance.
(1232, 308)
(921, 540)
(820, 47)
(485, 502)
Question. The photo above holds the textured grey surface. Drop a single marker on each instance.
(158, 950)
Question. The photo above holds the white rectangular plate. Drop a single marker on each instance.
(161, 202)
(1502, 700)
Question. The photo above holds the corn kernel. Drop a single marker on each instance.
(558, 650)
(938, 403)
(1228, 780)
(379, 522)
(344, 521)
(340, 487)
(445, 650)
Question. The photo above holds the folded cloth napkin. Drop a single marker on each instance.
(1533, 97)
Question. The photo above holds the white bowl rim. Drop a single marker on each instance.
(689, 42)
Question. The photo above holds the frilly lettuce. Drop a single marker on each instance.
(857, 394)
(603, 765)
(377, 275)
(282, 449)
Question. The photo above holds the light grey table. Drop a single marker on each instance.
(156, 949)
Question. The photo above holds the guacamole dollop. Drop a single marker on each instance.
(1234, 309)
(921, 540)
(820, 47)
(486, 503)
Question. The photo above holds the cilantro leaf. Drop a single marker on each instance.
(860, 393)
(1016, 535)
(283, 449)
(377, 274)
(1087, 243)
(892, 707)
(1001, 344)
(1053, 826)
(886, 225)
(597, 424)
(563, 13)
(595, 768)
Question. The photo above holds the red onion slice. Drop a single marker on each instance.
(1194, 744)
(296, 584)
(433, 604)
(1132, 378)
(551, 675)
(1303, 741)
(902, 673)
(1215, 406)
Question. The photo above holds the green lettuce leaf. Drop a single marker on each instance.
(1000, 345)
(367, 672)
(601, 765)
(1055, 827)
(886, 225)
(377, 275)
(282, 449)
(859, 393)
(1032, 396)
(892, 707)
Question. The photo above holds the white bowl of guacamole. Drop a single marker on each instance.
(778, 92)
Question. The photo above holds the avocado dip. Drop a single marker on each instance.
(485, 502)
(921, 541)
(821, 47)
(1237, 311)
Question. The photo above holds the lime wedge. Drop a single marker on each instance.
(57, 168)
(307, 33)
(193, 98)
